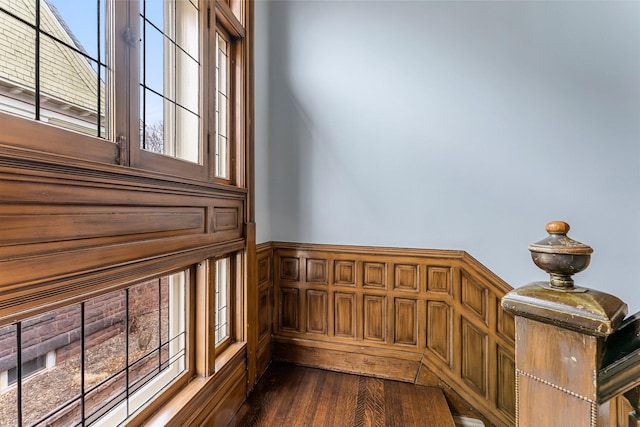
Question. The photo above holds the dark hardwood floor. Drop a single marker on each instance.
(292, 396)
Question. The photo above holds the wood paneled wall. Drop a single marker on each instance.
(264, 255)
(422, 316)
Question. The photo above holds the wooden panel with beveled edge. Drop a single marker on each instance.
(344, 273)
(344, 314)
(439, 330)
(264, 269)
(316, 311)
(24, 224)
(264, 313)
(475, 297)
(452, 305)
(375, 317)
(439, 279)
(474, 354)
(290, 268)
(316, 271)
(405, 321)
(406, 277)
(505, 326)
(289, 308)
(375, 275)
(226, 217)
(506, 382)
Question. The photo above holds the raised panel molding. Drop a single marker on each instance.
(375, 275)
(289, 268)
(432, 317)
(475, 297)
(316, 311)
(225, 218)
(289, 309)
(264, 269)
(344, 315)
(317, 271)
(344, 273)
(406, 277)
(264, 313)
(439, 338)
(439, 279)
(375, 321)
(506, 326)
(474, 355)
(506, 384)
(24, 224)
(405, 321)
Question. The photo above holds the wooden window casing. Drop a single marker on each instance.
(81, 216)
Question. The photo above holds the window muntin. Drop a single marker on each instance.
(114, 353)
(170, 70)
(54, 63)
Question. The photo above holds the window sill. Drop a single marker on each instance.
(196, 395)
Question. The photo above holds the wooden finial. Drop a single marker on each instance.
(557, 227)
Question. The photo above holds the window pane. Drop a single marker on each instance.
(97, 361)
(8, 361)
(170, 76)
(53, 393)
(222, 284)
(17, 62)
(222, 108)
(54, 68)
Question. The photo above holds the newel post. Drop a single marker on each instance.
(560, 331)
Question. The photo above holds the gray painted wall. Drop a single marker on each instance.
(453, 125)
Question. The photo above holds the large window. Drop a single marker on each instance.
(96, 362)
(149, 83)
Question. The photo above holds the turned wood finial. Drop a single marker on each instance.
(557, 227)
(560, 256)
(557, 302)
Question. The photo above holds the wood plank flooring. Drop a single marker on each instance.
(292, 396)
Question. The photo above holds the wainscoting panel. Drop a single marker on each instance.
(364, 310)
(264, 353)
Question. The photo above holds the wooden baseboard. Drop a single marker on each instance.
(393, 365)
